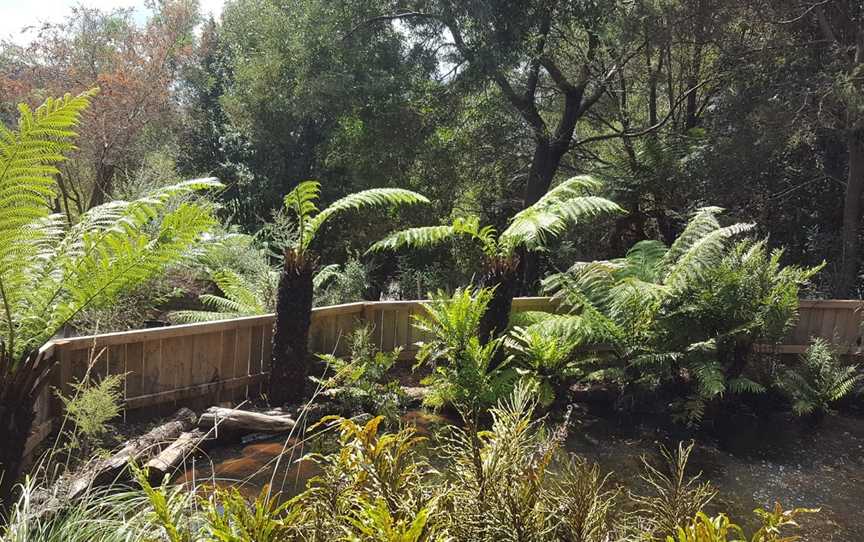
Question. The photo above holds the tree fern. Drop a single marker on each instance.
(49, 272)
(241, 297)
(533, 227)
(302, 202)
(294, 296)
(689, 313)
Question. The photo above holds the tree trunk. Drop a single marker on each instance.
(19, 389)
(290, 367)
(544, 165)
(851, 216)
(103, 186)
(16, 422)
(501, 276)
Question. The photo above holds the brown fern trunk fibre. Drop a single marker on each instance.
(20, 385)
(290, 368)
(501, 274)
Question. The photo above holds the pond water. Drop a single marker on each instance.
(754, 464)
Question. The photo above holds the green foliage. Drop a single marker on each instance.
(819, 381)
(512, 482)
(241, 297)
(450, 322)
(675, 497)
(336, 284)
(566, 204)
(463, 373)
(302, 202)
(545, 357)
(360, 381)
(91, 406)
(49, 273)
(230, 518)
(687, 314)
(375, 483)
(719, 528)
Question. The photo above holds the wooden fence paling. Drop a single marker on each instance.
(228, 361)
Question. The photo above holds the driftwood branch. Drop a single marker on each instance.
(235, 421)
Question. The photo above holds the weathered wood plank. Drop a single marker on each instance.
(189, 392)
(134, 369)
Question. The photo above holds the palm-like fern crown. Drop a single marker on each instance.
(568, 203)
(48, 272)
(241, 296)
(302, 201)
(630, 287)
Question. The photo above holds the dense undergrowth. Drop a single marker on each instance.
(512, 481)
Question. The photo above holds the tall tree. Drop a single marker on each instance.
(134, 65)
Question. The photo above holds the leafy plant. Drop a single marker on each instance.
(545, 358)
(50, 271)
(90, 407)
(532, 228)
(231, 518)
(684, 317)
(295, 291)
(360, 380)
(675, 497)
(819, 381)
(464, 373)
(719, 528)
(335, 284)
(371, 473)
(240, 298)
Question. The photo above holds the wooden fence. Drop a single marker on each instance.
(227, 361)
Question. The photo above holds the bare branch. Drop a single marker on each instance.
(646, 130)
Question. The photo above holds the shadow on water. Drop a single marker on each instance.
(251, 467)
(751, 461)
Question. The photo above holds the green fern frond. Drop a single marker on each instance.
(325, 275)
(701, 255)
(422, 237)
(562, 206)
(703, 222)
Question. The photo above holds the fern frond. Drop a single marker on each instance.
(324, 276)
(374, 197)
(564, 205)
(644, 261)
(27, 165)
(422, 237)
(703, 222)
(701, 255)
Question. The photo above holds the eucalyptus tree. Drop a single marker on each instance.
(294, 294)
(50, 271)
(530, 230)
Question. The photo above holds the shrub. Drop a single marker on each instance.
(683, 318)
(545, 358)
(819, 381)
(360, 382)
(90, 407)
(466, 373)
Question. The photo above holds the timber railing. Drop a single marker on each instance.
(228, 361)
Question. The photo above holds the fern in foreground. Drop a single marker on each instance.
(51, 272)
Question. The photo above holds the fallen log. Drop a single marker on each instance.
(139, 449)
(174, 455)
(233, 422)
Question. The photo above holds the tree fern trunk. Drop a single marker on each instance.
(290, 367)
(502, 276)
(16, 422)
